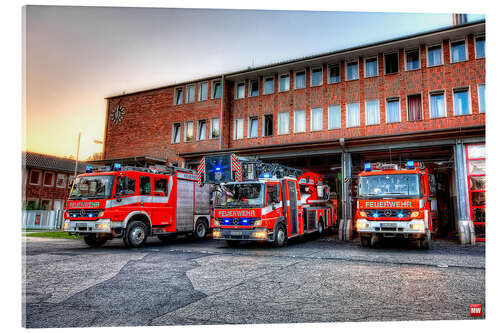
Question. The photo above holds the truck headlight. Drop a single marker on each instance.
(415, 214)
(362, 213)
(66, 226)
(101, 214)
(417, 226)
(104, 225)
(216, 222)
(261, 234)
(362, 224)
(216, 233)
(258, 222)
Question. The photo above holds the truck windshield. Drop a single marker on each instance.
(241, 195)
(92, 187)
(397, 185)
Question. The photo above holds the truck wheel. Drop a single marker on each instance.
(365, 241)
(232, 243)
(94, 240)
(201, 230)
(280, 236)
(166, 238)
(136, 234)
(424, 243)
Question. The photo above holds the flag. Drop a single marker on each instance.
(201, 171)
(236, 167)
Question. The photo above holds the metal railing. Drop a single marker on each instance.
(42, 219)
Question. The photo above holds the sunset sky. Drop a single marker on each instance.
(77, 56)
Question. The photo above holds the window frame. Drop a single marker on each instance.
(376, 65)
(469, 96)
(390, 99)
(475, 46)
(51, 182)
(397, 61)
(479, 98)
(438, 92)
(264, 85)
(187, 101)
(264, 116)
(186, 128)
(311, 76)
(40, 173)
(176, 90)
(65, 180)
(198, 129)
(295, 79)
(466, 50)
(249, 129)
(419, 59)
(329, 70)
(235, 129)
(250, 87)
(295, 121)
(212, 92)
(279, 81)
(236, 90)
(421, 107)
(173, 133)
(340, 112)
(49, 207)
(288, 127)
(347, 115)
(211, 137)
(346, 71)
(427, 54)
(317, 130)
(200, 86)
(366, 111)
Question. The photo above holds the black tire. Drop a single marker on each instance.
(365, 241)
(280, 236)
(232, 243)
(136, 234)
(166, 238)
(94, 240)
(200, 230)
(423, 243)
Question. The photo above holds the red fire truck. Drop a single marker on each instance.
(267, 202)
(396, 202)
(133, 203)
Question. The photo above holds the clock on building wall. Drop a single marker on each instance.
(117, 114)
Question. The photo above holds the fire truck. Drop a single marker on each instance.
(134, 203)
(257, 201)
(396, 201)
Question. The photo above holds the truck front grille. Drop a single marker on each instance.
(75, 213)
(388, 213)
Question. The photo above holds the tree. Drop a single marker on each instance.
(95, 157)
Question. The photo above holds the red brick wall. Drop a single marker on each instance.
(45, 192)
(147, 126)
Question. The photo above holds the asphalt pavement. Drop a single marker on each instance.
(67, 284)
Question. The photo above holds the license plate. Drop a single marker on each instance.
(81, 225)
(388, 225)
(236, 233)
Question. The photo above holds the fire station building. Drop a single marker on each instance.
(418, 97)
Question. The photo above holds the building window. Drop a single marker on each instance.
(393, 114)
(35, 177)
(437, 104)
(268, 125)
(480, 47)
(391, 61)
(269, 85)
(178, 96)
(238, 129)
(214, 128)
(414, 103)
(48, 179)
(61, 180)
(371, 67)
(481, 94)
(353, 115)
(176, 133)
(190, 93)
(240, 90)
(188, 131)
(372, 112)
(458, 52)
(202, 130)
(45, 204)
(317, 119)
(316, 76)
(334, 74)
(203, 91)
(216, 89)
(284, 83)
(461, 105)
(300, 79)
(334, 118)
(253, 127)
(254, 88)
(352, 71)
(283, 123)
(299, 121)
(412, 60)
(434, 56)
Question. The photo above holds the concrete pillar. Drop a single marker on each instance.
(465, 227)
(345, 228)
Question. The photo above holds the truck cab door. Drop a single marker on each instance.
(290, 206)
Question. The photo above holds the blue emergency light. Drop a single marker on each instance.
(88, 169)
(368, 167)
(217, 169)
(117, 166)
(375, 215)
(266, 175)
(400, 215)
(410, 164)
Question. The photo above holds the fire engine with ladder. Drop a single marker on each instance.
(134, 203)
(257, 201)
(396, 201)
